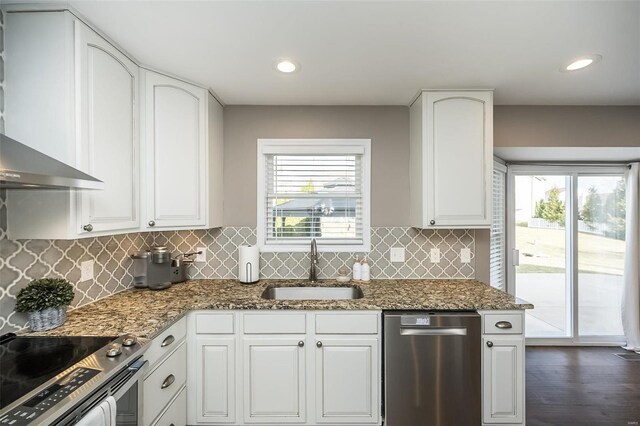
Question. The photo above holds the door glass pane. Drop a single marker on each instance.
(601, 233)
(540, 235)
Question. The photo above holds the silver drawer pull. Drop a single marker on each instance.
(167, 341)
(504, 324)
(168, 381)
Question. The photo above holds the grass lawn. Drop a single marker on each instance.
(543, 251)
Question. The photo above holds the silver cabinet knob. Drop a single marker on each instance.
(114, 350)
(432, 222)
(129, 340)
(319, 344)
(490, 343)
(301, 343)
(152, 223)
(167, 341)
(504, 324)
(168, 381)
(88, 227)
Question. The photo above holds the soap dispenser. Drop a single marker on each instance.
(357, 270)
(365, 272)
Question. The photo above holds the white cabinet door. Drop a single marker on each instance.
(215, 384)
(274, 380)
(108, 146)
(503, 381)
(176, 412)
(347, 380)
(459, 158)
(176, 152)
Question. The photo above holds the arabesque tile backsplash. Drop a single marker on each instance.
(24, 260)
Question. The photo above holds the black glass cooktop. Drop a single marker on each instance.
(26, 362)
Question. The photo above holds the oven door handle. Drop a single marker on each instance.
(138, 368)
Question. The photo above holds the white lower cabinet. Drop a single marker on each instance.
(163, 384)
(274, 373)
(163, 388)
(176, 413)
(347, 374)
(503, 370)
(266, 368)
(215, 359)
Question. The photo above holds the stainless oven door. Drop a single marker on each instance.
(125, 387)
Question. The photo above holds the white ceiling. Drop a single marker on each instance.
(382, 52)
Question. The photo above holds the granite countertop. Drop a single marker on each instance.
(145, 312)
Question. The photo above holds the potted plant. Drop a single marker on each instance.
(46, 301)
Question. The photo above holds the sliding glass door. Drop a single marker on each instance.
(566, 250)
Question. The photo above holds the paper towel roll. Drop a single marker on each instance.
(248, 264)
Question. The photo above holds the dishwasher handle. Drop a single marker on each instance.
(423, 331)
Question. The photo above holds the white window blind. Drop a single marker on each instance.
(497, 257)
(314, 191)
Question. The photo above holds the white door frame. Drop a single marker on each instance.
(572, 171)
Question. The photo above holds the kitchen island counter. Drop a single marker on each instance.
(145, 313)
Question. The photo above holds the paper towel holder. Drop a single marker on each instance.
(248, 265)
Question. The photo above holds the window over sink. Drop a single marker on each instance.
(314, 188)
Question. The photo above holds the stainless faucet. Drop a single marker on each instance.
(314, 261)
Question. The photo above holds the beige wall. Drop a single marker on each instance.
(580, 126)
(386, 126)
(545, 126)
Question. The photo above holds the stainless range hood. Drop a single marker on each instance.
(24, 167)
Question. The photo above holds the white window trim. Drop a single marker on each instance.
(315, 146)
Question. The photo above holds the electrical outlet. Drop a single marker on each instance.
(396, 254)
(86, 270)
(434, 254)
(465, 255)
(202, 257)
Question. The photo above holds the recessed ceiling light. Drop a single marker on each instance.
(286, 66)
(581, 62)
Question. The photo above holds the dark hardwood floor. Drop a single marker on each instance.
(581, 386)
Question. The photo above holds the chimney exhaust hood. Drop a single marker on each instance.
(24, 167)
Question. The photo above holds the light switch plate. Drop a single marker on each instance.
(465, 255)
(396, 254)
(86, 270)
(202, 257)
(434, 254)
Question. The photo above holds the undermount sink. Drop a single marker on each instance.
(308, 292)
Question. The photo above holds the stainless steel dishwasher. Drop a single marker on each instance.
(432, 368)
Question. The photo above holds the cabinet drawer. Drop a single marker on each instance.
(215, 323)
(503, 324)
(166, 342)
(164, 382)
(176, 413)
(347, 324)
(275, 323)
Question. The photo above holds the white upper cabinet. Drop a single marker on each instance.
(73, 96)
(451, 159)
(108, 133)
(183, 154)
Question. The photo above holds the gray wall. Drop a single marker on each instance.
(545, 126)
(386, 126)
(579, 126)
